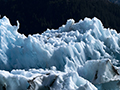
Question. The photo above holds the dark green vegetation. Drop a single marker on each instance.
(35, 16)
(115, 1)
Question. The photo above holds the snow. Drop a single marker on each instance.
(43, 79)
(76, 56)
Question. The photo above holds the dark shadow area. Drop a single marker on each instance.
(35, 16)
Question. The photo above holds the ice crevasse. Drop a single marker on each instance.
(76, 56)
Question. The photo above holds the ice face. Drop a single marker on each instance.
(72, 44)
(73, 49)
(43, 80)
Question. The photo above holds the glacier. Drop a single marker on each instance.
(76, 56)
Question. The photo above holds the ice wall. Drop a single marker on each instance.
(74, 49)
(65, 48)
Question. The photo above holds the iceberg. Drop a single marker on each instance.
(76, 56)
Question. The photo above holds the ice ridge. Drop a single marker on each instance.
(62, 58)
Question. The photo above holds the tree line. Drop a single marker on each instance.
(35, 16)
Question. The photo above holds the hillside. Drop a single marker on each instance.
(36, 16)
(115, 1)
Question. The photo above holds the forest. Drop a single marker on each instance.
(35, 16)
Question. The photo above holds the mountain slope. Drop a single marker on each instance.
(115, 1)
(36, 16)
